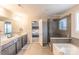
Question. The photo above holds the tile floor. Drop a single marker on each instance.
(35, 49)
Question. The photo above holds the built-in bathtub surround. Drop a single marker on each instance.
(75, 41)
(65, 49)
(60, 40)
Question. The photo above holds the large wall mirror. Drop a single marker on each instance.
(5, 28)
(8, 29)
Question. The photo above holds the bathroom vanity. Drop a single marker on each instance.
(13, 45)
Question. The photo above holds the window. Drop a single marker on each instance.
(77, 22)
(63, 24)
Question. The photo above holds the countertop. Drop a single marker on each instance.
(59, 38)
(5, 41)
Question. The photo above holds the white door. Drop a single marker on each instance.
(41, 32)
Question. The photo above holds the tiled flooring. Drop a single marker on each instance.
(35, 49)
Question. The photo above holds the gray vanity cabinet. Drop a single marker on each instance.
(19, 44)
(24, 40)
(9, 49)
(0, 50)
(5, 51)
(14, 46)
(12, 49)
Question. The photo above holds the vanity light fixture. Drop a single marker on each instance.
(18, 16)
(2, 11)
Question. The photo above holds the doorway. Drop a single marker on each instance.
(35, 31)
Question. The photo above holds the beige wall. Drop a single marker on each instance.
(20, 24)
(1, 27)
(72, 11)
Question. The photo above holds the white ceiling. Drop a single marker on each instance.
(42, 9)
(49, 9)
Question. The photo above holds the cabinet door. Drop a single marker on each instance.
(12, 49)
(19, 45)
(24, 39)
(21, 41)
(0, 50)
(5, 52)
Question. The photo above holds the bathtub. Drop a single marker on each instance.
(65, 49)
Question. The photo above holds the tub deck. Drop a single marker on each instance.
(65, 49)
(62, 46)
